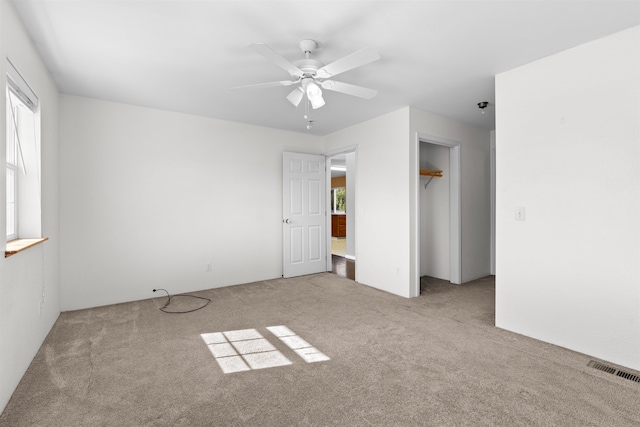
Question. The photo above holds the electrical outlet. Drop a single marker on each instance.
(209, 266)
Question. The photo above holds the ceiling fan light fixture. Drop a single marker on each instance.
(317, 102)
(296, 96)
(314, 94)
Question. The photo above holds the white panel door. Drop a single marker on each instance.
(304, 216)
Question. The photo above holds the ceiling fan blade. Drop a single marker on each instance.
(349, 62)
(349, 89)
(268, 84)
(277, 59)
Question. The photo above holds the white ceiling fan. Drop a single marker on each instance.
(309, 74)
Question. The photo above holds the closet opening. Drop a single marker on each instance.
(438, 221)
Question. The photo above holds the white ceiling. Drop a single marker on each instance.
(180, 55)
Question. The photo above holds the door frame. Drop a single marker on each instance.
(455, 216)
(351, 205)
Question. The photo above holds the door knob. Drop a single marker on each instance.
(286, 221)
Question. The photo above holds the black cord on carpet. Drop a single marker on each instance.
(163, 308)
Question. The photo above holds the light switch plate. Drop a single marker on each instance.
(520, 213)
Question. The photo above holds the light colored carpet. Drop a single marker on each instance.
(338, 246)
(436, 360)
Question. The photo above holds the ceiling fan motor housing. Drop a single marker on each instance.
(309, 66)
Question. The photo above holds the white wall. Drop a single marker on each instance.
(475, 188)
(150, 197)
(568, 150)
(382, 194)
(25, 319)
(387, 233)
(493, 202)
(434, 213)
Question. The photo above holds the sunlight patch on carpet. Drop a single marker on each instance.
(306, 351)
(269, 359)
(243, 350)
(247, 349)
(232, 364)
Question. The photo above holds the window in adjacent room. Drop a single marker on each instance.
(338, 199)
(23, 159)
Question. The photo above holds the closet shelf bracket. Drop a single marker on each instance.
(430, 173)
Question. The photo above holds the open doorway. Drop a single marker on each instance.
(341, 184)
(438, 220)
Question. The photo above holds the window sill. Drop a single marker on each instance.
(19, 245)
